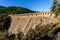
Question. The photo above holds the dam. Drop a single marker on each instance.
(23, 22)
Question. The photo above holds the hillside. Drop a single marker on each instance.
(14, 10)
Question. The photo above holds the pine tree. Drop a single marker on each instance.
(58, 8)
(53, 8)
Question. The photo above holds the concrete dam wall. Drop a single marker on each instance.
(23, 22)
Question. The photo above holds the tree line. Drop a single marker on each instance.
(14, 10)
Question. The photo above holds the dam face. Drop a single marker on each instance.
(23, 22)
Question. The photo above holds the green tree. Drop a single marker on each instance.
(56, 7)
(30, 34)
(3, 18)
(14, 10)
(42, 29)
(53, 8)
(20, 36)
(17, 10)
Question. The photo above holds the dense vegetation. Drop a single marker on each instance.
(56, 7)
(14, 10)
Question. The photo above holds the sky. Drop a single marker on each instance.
(35, 5)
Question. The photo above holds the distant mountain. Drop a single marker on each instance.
(2, 7)
(14, 10)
